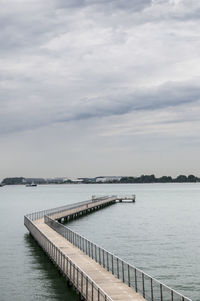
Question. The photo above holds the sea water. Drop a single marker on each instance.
(158, 234)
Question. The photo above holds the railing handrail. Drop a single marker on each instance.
(69, 206)
(67, 256)
(128, 196)
(118, 258)
(46, 214)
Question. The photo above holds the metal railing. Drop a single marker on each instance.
(126, 197)
(40, 214)
(147, 286)
(83, 283)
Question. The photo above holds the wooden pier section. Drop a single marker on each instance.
(95, 273)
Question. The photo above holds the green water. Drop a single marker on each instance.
(159, 234)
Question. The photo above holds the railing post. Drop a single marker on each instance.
(74, 273)
(117, 268)
(56, 256)
(63, 262)
(151, 289)
(161, 293)
(122, 271)
(92, 249)
(143, 288)
(86, 288)
(92, 292)
(67, 265)
(112, 265)
(129, 282)
(99, 256)
(53, 253)
(64, 265)
(172, 295)
(78, 241)
(107, 261)
(135, 280)
(82, 283)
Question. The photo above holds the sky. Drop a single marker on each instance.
(99, 87)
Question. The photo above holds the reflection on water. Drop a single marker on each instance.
(55, 286)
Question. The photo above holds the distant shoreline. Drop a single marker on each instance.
(143, 179)
(53, 184)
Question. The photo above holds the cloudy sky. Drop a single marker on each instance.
(99, 87)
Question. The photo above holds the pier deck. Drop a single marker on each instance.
(95, 273)
(112, 286)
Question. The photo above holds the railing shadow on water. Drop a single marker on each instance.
(59, 291)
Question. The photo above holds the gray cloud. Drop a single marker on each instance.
(92, 63)
(165, 96)
(135, 5)
(162, 97)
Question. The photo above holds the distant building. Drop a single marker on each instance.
(34, 180)
(57, 180)
(108, 179)
(88, 180)
(77, 181)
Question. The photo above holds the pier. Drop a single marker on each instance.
(95, 273)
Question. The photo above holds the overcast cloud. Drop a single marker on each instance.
(99, 87)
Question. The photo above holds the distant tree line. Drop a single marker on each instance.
(13, 181)
(141, 179)
(163, 179)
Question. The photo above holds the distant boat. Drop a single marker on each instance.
(31, 184)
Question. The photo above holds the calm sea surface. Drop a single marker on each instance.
(160, 234)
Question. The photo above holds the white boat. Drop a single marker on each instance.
(31, 184)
